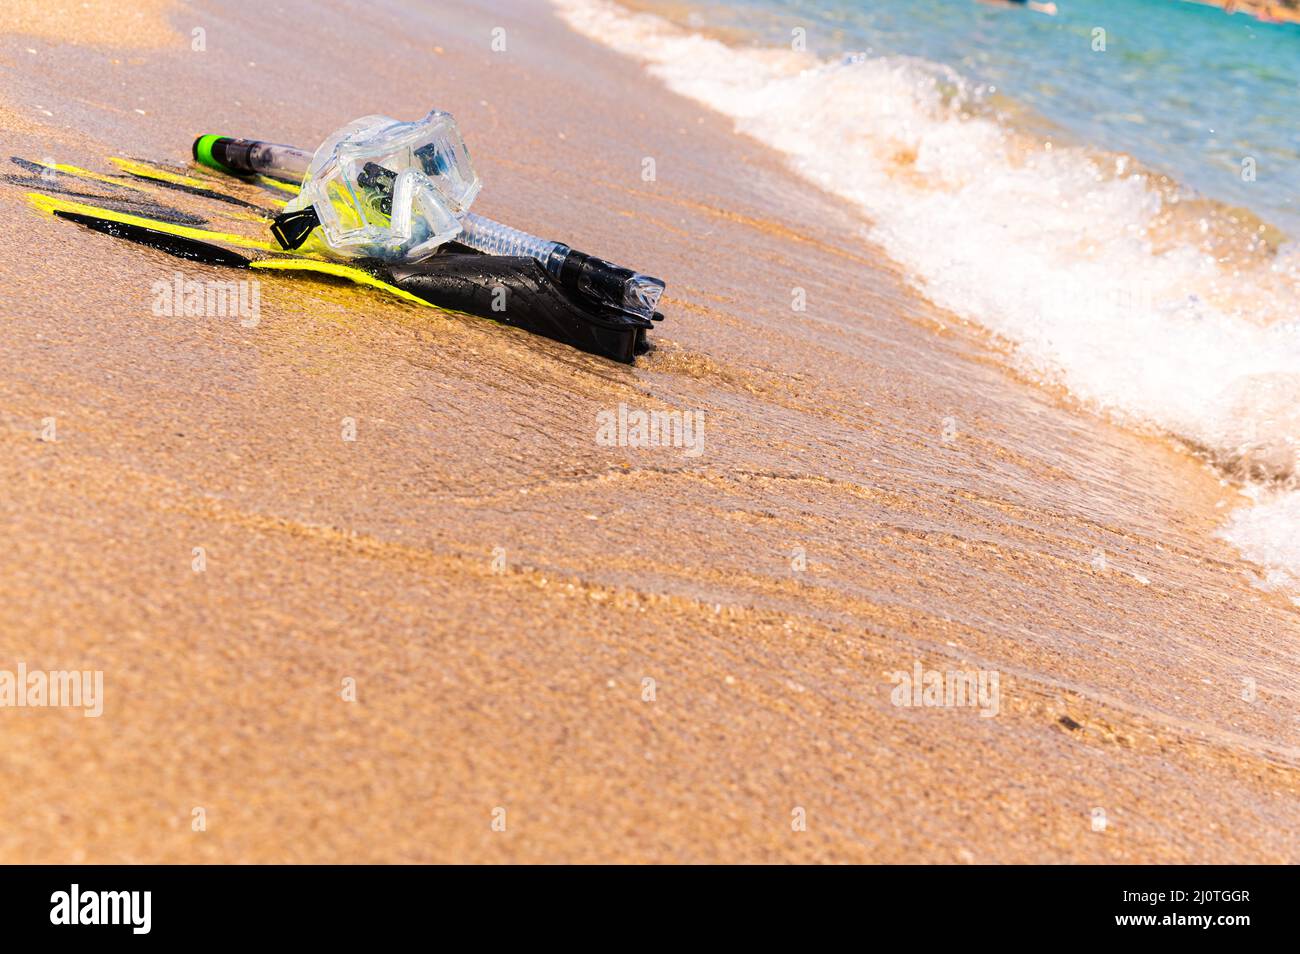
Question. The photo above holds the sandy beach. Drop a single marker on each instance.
(1282, 11)
(626, 654)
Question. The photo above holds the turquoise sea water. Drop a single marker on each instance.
(1187, 89)
(980, 145)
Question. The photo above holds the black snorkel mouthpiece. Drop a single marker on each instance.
(610, 286)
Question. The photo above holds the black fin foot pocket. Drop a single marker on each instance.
(518, 292)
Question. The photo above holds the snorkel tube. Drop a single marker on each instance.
(246, 157)
(438, 186)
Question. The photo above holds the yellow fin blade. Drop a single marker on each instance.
(339, 271)
(47, 203)
(277, 184)
(152, 172)
(81, 173)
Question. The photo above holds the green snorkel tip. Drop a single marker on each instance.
(203, 152)
(248, 157)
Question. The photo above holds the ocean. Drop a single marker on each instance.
(1112, 191)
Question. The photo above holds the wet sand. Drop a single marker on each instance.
(500, 586)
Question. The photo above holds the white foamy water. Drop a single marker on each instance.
(1266, 534)
(1103, 281)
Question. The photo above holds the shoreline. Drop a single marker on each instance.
(949, 515)
(1242, 432)
(1266, 11)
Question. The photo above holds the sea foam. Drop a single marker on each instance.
(1163, 311)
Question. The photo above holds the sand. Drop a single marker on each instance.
(499, 587)
(1281, 11)
(138, 24)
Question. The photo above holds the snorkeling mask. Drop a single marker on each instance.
(380, 188)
